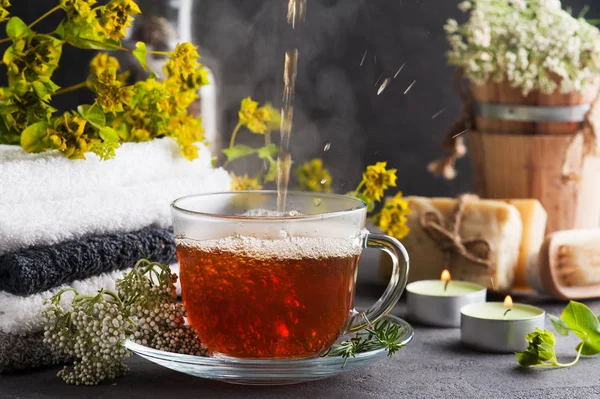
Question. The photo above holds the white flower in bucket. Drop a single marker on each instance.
(534, 44)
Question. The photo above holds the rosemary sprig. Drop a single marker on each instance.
(381, 335)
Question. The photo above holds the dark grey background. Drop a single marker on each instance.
(244, 42)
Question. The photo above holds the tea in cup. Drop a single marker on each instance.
(258, 284)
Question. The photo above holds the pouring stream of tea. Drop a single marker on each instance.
(296, 14)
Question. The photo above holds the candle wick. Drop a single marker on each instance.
(508, 310)
(446, 285)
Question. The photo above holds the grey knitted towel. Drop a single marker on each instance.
(38, 269)
(23, 352)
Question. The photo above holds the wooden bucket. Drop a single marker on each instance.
(517, 158)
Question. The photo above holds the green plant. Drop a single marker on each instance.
(121, 112)
(576, 318)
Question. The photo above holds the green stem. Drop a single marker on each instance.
(5, 40)
(159, 52)
(112, 295)
(234, 134)
(56, 298)
(71, 88)
(31, 25)
(362, 183)
(232, 141)
(573, 362)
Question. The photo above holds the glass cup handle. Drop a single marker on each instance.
(395, 287)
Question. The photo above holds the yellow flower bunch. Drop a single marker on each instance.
(244, 182)
(116, 16)
(257, 119)
(392, 218)
(103, 62)
(375, 180)
(312, 176)
(121, 112)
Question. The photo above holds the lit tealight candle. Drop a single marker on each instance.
(438, 302)
(499, 326)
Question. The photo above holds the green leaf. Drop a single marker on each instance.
(140, 54)
(93, 114)
(540, 349)
(559, 325)
(40, 90)
(363, 198)
(238, 151)
(271, 171)
(268, 151)
(32, 138)
(17, 28)
(109, 134)
(60, 30)
(51, 87)
(584, 323)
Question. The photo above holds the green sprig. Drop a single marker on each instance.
(381, 335)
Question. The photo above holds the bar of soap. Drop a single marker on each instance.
(534, 218)
(494, 221)
(569, 264)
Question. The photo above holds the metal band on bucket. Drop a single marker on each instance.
(532, 113)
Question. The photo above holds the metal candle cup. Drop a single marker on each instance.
(427, 302)
(488, 327)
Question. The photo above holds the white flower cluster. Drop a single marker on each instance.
(93, 332)
(93, 338)
(164, 328)
(533, 44)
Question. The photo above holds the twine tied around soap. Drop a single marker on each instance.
(478, 250)
(454, 143)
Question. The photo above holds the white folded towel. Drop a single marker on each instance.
(123, 209)
(29, 177)
(23, 315)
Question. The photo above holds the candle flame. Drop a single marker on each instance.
(508, 302)
(445, 276)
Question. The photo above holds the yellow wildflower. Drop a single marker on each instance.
(313, 177)
(4, 4)
(81, 8)
(392, 218)
(69, 134)
(184, 72)
(116, 17)
(274, 119)
(253, 117)
(244, 182)
(183, 61)
(377, 179)
(32, 58)
(102, 63)
(111, 93)
(187, 130)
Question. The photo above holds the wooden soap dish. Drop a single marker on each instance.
(569, 264)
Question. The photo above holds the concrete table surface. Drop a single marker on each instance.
(433, 365)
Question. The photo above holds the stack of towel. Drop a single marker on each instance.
(82, 224)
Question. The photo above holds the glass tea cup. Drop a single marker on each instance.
(257, 284)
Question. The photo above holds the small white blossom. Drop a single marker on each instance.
(464, 6)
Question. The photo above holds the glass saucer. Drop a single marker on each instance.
(266, 372)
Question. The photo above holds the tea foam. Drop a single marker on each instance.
(288, 248)
(260, 212)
